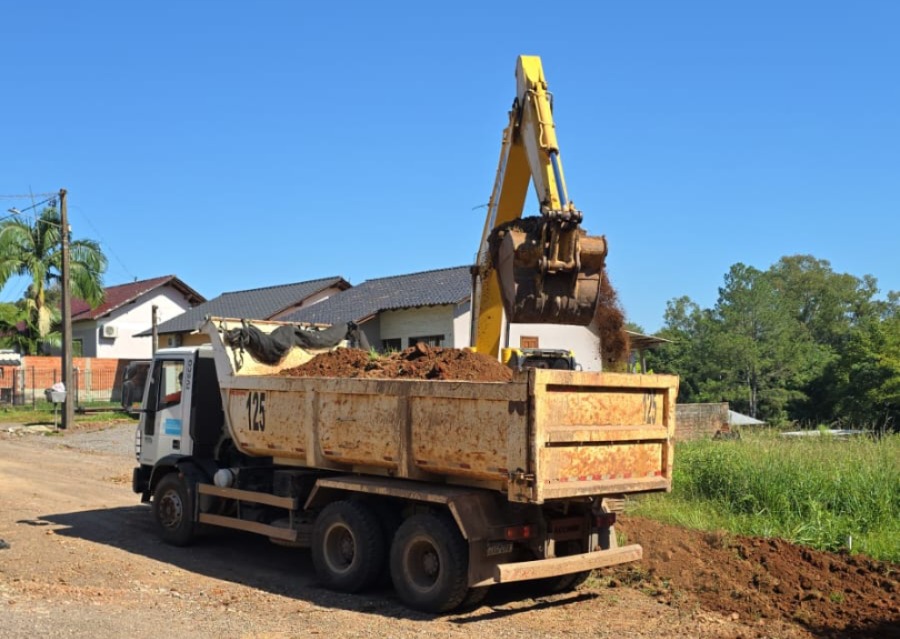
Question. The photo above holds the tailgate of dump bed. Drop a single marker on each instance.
(600, 433)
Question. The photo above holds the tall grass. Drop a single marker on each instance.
(823, 492)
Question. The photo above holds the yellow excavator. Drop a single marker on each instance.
(541, 269)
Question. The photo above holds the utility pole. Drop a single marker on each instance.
(154, 319)
(68, 415)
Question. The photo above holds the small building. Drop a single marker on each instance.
(434, 307)
(267, 303)
(395, 312)
(111, 329)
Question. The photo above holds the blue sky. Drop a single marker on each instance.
(240, 145)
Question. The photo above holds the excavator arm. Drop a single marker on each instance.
(543, 269)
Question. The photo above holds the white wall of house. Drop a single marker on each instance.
(462, 325)
(454, 321)
(419, 322)
(581, 340)
(127, 321)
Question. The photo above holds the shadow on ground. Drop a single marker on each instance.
(253, 561)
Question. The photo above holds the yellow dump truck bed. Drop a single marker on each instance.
(545, 435)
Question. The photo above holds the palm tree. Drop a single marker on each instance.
(35, 251)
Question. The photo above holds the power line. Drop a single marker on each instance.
(17, 211)
(29, 196)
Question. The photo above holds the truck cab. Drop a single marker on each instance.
(181, 414)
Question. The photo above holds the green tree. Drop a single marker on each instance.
(34, 250)
(866, 378)
(689, 328)
(840, 312)
(765, 352)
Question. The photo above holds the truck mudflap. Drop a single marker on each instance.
(557, 566)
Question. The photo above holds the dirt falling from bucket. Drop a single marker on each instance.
(615, 347)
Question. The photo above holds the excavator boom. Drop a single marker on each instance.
(541, 269)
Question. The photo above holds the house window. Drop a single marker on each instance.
(388, 345)
(77, 348)
(428, 340)
(529, 342)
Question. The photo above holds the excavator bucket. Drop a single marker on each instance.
(561, 287)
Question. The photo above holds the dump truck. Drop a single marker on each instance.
(447, 487)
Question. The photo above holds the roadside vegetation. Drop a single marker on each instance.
(821, 491)
(42, 414)
(796, 343)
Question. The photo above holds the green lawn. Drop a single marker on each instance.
(823, 492)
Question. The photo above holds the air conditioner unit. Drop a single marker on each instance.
(173, 341)
(109, 331)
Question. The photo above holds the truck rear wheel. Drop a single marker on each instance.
(348, 547)
(430, 563)
(173, 510)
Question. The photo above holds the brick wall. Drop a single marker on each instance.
(695, 421)
(94, 379)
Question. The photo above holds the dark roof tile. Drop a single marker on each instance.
(428, 288)
(258, 303)
(117, 296)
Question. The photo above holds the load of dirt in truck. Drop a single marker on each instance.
(417, 362)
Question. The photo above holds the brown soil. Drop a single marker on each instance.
(417, 362)
(83, 560)
(832, 595)
(610, 319)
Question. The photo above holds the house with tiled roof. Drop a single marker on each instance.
(394, 312)
(267, 303)
(434, 307)
(110, 329)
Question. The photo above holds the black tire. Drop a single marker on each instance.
(173, 510)
(430, 563)
(348, 547)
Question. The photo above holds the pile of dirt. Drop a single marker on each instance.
(831, 594)
(417, 362)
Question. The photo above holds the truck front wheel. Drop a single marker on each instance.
(430, 563)
(173, 511)
(348, 547)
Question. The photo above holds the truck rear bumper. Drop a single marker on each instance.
(520, 571)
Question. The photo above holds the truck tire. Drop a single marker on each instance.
(173, 510)
(430, 563)
(348, 547)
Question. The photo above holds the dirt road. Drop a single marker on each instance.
(79, 558)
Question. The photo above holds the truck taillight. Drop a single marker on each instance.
(605, 520)
(514, 533)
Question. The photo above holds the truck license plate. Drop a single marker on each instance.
(499, 548)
